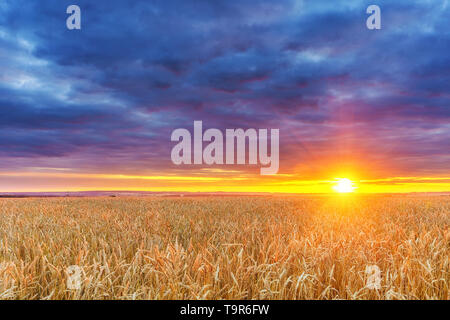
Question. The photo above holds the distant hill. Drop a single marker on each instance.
(188, 194)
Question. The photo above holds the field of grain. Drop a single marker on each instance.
(225, 247)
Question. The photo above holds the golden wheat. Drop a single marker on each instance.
(225, 247)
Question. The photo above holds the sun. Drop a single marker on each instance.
(343, 185)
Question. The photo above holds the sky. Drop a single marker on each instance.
(94, 109)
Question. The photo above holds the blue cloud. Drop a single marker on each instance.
(139, 69)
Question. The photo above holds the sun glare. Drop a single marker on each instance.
(343, 185)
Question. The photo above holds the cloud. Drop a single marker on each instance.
(137, 70)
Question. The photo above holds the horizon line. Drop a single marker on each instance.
(5, 194)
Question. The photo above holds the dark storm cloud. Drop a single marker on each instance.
(139, 69)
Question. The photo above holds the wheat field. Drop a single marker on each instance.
(315, 247)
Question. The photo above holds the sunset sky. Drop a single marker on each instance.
(94, 109)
